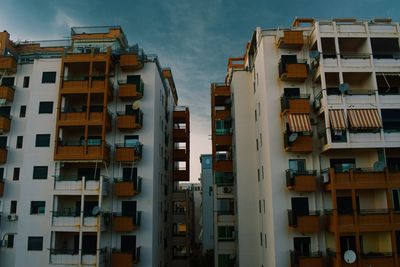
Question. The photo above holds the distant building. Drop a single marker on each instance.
(195, 189)
(207, 206)
(306, 147)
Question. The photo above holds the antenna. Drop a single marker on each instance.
(349, 256)
(136, 104)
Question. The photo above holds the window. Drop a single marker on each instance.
(132, 141)
(16, 174)
(261, 239)
(297, 164)
(255, 115)
(7, 81)
(259, 206)
(13, 207)
(3, 142)
(342, 165)
(42, 140)
(38, 207)
(226, 233)
(257, 144)
(26, 82)
(35, 243)
(49, 77)
(40, 172)
(391, 120)
(291, 92)
(22, 111)
(19, 141)
(1, 174)
(258, 174)
(10, 240)
(46, 107)
(5, 111)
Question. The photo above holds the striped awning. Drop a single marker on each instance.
(364, 119)
(338, 120)
(299, 122)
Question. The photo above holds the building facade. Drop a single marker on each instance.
(207, 206)
(307, 124)
(87, 152)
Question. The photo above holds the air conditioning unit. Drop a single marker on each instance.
(227, 190)
(12, 217)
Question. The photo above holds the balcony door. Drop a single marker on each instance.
(89, 173)
(129, 174)
(345, 206)
(128, 244)
(302, 246)
(89, 244)
(129, 209)
(299, 207)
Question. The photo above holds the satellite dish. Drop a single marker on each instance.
(136, 104)
(379, 166)
(349, 256)
(343, 87)
(96, 210)
(293, 137)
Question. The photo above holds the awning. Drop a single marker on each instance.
(338, 120)
(364, 119)
(299, 122)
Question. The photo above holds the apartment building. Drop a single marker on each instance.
(207, 206)
(88, 166)
(306, 130)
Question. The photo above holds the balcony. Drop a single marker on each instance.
(128, 188)
(80, 85)
(308, 223)
(385, 259)
(86, 56)
(302, 143)
(180, 154)
(8, 63)
(180, 115)
(131, 91)
(131, 61)
(361, 178)
(1, 187)
(295, 104)
(125, 223)
(75, 186)
(128, 152)
(130, 121)
(68, 257)
(291, 40)
(223, 165)
(180, 135)
(314, 259)
(3, 155)
(5, 123)
(74, 117)
(371, 220)
(125, 258)
(180, 174)
(301, 181)
(293, 70)
(6, 93)
(81, 151)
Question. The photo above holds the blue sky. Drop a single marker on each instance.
(193, 37)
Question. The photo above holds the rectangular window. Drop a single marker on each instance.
(391, 120)
(40, 172)
(49, 77)
(257, 144)
(261, 239)
(22, 112)
(19, 141)
(226, 233)
(16, 174)
(255, 115)
(13, 207)
(3, 142)
(297, 165)
(42, 140)
(46, 107)
(38, 207)
(10, 240)
(26, 82)
(35, 243)
(7, 81)
(258, 174)
(1, 174)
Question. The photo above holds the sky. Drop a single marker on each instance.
(193, 37)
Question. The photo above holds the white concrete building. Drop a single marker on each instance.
(308, 124)
(86, 145)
